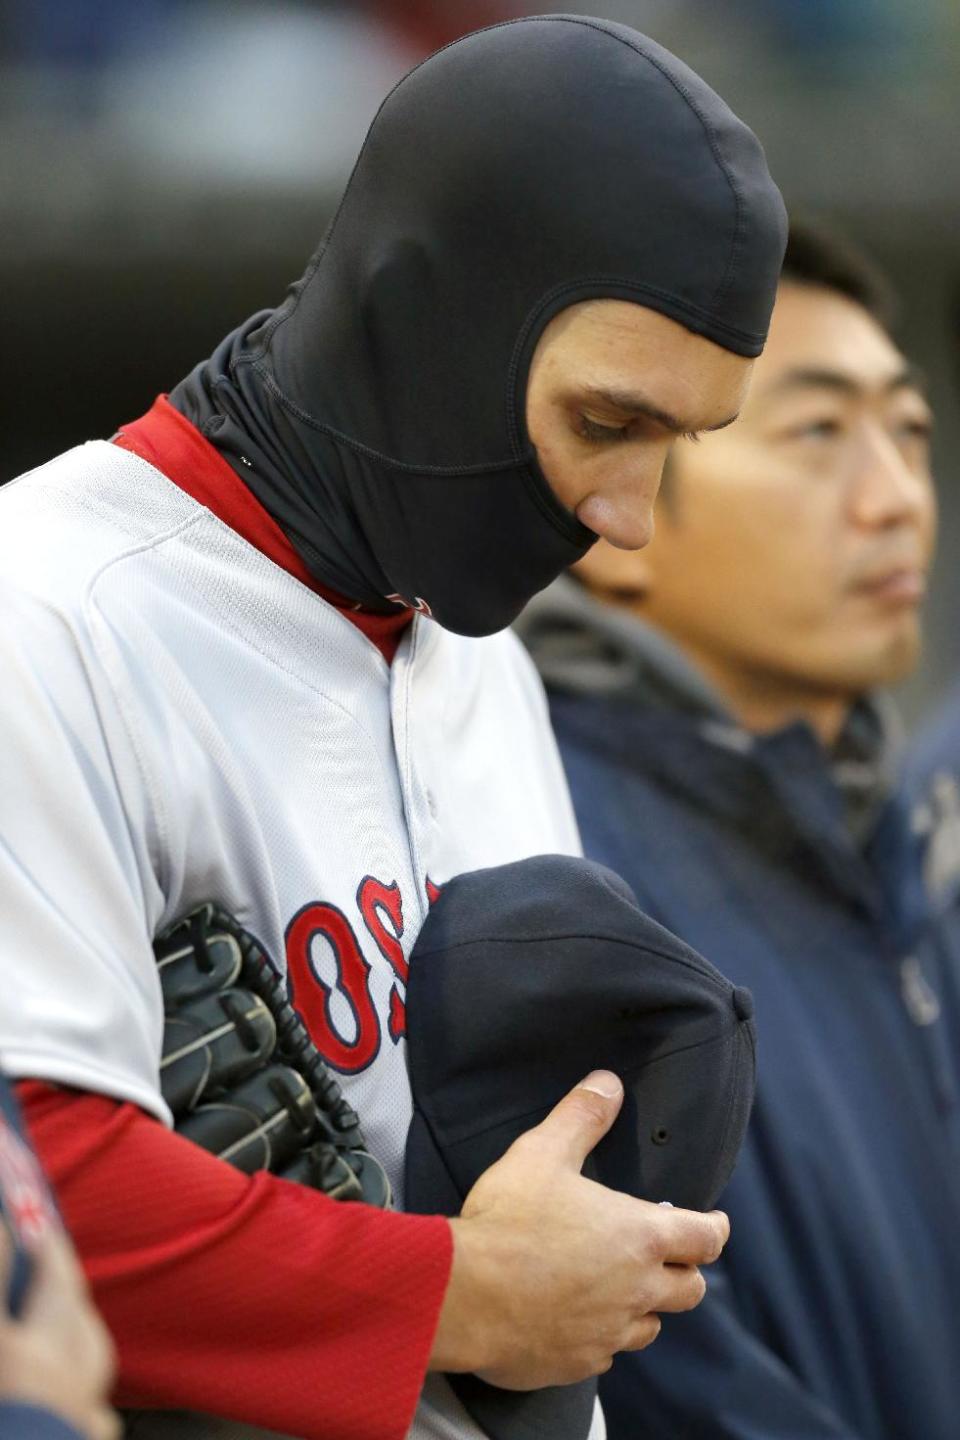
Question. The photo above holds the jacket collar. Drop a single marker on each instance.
(833, 813)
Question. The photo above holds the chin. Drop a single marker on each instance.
(889, 662)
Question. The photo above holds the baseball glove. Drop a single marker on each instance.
(239, 1071)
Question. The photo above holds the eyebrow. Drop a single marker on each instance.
(910, 377)
(631, 402)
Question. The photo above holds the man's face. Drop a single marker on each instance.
(612, 386)
(794, 546)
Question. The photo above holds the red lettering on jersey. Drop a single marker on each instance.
(379, 904)
(433, 891)
(310, 995)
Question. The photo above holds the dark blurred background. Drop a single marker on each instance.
(166, 166)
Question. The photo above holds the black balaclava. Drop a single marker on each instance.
(378, 414)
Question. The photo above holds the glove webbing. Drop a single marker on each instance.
(240, 1072)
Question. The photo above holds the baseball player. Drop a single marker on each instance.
(253, 653)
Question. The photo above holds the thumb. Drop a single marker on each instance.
(582, 1118)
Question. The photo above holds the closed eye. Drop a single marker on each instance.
(600, 434)
(817, 430)
(921, 429)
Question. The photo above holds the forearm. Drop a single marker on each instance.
(203, 1274)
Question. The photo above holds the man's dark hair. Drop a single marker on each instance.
(817, 256)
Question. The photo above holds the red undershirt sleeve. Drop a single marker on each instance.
(247, 1297)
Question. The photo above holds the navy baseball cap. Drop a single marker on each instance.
(526, 977)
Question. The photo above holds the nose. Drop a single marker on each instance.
(622, 512)
(887, 490)
(625, 527)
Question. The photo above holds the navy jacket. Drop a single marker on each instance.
(932, 774)
(836, 1311)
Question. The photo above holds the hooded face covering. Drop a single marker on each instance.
(378, 414)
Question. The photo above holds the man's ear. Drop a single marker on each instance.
(622, 577)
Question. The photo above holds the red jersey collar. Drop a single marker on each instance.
(167, 440)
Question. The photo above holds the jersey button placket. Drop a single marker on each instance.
(413, 794)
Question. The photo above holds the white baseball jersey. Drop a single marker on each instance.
(190, 722)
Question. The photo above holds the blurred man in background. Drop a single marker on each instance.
(719, 708)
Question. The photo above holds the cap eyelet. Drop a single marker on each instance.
(660, 1136)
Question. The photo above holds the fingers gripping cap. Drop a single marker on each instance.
(523, 979)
